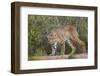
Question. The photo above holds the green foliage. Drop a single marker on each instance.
(39, 26)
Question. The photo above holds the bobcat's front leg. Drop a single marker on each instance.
(53, 52)
(63, 49)
(54, 48)
(73, 48)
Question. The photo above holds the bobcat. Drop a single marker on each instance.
(64, 34)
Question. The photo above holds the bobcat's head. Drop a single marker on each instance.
(52, 37)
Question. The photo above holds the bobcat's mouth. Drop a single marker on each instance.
(54, 45)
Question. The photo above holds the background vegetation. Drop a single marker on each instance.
(39, 26)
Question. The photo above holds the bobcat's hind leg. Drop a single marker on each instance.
(82, 45)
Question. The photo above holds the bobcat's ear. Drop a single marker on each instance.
(45, 33)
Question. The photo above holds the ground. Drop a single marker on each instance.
(76, 56)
